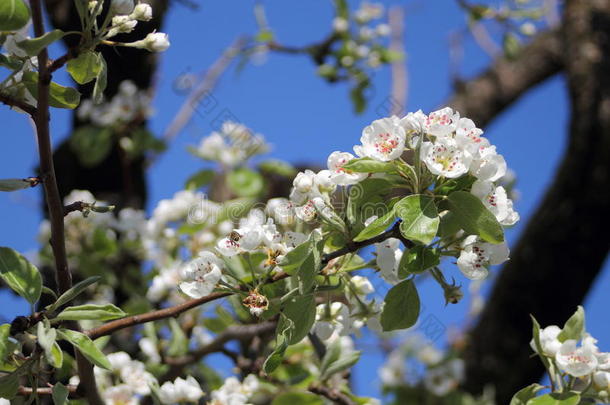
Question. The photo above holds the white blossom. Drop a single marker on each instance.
(339, 175)
(487, 164)
(388, 258)
(476, 255)
(142, 12)
(443, 379)
(441, 123)
(120, 395)
(383, 140)
(445, 158)
(331, 320)
(180, 390)
(576, 361)
(548, 341)
(393, 371)
(205, 273)
(340, 24)
(496, 201)
(122, 6)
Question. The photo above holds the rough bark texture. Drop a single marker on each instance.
(565, 244)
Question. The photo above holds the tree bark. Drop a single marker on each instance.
(564, 245)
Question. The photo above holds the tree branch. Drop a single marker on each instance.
(176, 310)
(331, 393)
(11, 102)
(487, 95)
(27, 391)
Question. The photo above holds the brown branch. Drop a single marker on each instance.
(11, 102)
(331, 393)
(76, 206)
(26, 391)
(176, 310)
(484, 97)
(53, 199)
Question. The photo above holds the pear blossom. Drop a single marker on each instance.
(413, 123)
(548, 341)
(476, 255)
(142, 12)
(339, 175)
(233, 392)
(445, 158)
(393, 372)
(443, 379)
(496, 201)
(383, 140)
(122, 6)
(340, 24)
(304, 181)
(154, 42)
(120, 395)
(324, 182)
(331, 320)
(281, 210)
(487, 164)
(388, 258)
(180, 390)
(135, 375)
(205, 272)
(468, 136)
(601, 380)
(307, 212)
(576, 361)
(441, 123)
(149, 348)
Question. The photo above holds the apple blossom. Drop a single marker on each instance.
(383, 140)
(205, 272)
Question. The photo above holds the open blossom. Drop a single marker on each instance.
(468, 136)
(388, 258)
(442, 122)
(339, 175)
(233, 392)
(496, 201)
(476, 255)
(393, 372)
(548, 341)
(443, 379)
(281, 210)
(487, 164)
(445, 158)
(331, 320)
(120, 395)
(205, 273)
(383, 140)
(180, 390)
(577, 361)
(413, 123)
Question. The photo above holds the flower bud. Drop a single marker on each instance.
(142, 12)
(122, 6)
(154, 42)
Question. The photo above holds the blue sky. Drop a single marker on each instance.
(305, 119)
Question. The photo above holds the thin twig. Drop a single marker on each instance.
(331, 393)
(76, 206)
(113, 326)
(26, 391)
(11, 102)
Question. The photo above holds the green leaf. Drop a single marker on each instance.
(401, 308)
(59, 96)
(91, 144)
(56, 356)
(335, 360)
(86, 347)
(9, 385)
(178, 345)
(301, 311)
(72, 293)
(278, 167)
(199, 179)
(474, 217)
(294, 398)
(14, 14)
(91, 312)
(19, 274)
(366, 200)
(525, 394)
(33, 46)
(449, 225)
(14, 184)
(417, 260)
(245, 182)
(574, 327)
(368, 165)
(10, 62)
(5, 345)
(275, 358)
(60, 391)
(377, 226)
(101, 81)
(567, 398)
(85, 67)
(419, 218)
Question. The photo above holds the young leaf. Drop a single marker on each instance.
(275, 358)
(14, 184)
(245, 182)
(567, 398)
(294, 398)
(574, 327)
(21, 275)
(344, 362)
(60, 393)
(101, 81)
(525, 394)
(474, 217)
(419, 218)
(56, 356)
(377, 226)
(14, 14)
(5, 345)
(401, 308)
(278, 167)
(199, 179)
(417, 260)
(86, 346)
(302, 312)
(368, 165)
(73, 293)
(178, 345)
(91, 312)
(33, 46)
(91, 144)
(85, 67)
(59, 96)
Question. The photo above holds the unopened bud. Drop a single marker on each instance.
(122, 6)
(142, 12)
